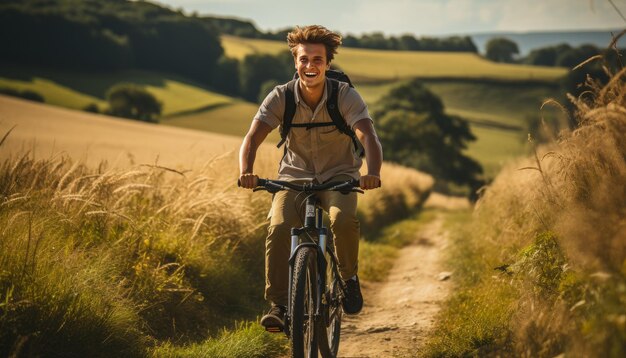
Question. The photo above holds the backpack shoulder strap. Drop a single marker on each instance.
(290, 111)
(332, 105)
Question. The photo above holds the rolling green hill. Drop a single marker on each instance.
(495, 98)
(375, 65)
(497, 112)
(77, 89)
(233, 119)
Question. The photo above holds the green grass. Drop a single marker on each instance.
(238, 47)
(76, 90)
(248, 340)
(233, 119)
(376, 65)
(475, 318)
(53, 92)
(501, 102)
(497, 113)
(494, 148)
(509, 100)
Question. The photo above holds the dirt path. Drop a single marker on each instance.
(400, 311)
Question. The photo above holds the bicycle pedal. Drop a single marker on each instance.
(274, 329)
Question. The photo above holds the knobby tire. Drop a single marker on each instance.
(329, 327)
(303, 294)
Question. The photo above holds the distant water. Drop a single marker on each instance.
(532, 40)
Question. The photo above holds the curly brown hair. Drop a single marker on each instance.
(314, 34)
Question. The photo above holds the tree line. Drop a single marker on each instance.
(108, 35)
(502, 49)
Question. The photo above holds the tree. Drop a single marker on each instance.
(350, 41)
(408, 42)
(132, 101)
(225, 76)
(257, 69)
(574, 56)
(266, 88)
(415, 131)
(501, 49)
(375, 40)
(25, 94)
(546, 56)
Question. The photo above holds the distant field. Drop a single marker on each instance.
(496, 111)
(233, 119)
(239, 47)
(375, 65)
(495, 147)
(77, 90)
(47, 131)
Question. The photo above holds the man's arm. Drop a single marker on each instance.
(373, 153)
(247, 153)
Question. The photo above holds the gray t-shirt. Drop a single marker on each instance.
(316, 153)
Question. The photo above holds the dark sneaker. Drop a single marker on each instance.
(274, 320)
(353, 302)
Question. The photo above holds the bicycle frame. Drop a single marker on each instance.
(313, 221)
(313, 226)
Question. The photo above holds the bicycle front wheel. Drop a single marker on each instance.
(303, 296)
(329, 327)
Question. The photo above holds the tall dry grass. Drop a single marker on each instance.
(554, 226)
(121, 257)
(403, 191)
(103, 262)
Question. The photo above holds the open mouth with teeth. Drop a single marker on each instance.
(310, 74)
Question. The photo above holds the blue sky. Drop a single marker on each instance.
(420, 17)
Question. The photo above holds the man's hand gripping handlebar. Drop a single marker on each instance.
(274, 186)
(251, 181)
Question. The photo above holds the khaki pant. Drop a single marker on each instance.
(286, 207)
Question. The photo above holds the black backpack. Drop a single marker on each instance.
(332, 106)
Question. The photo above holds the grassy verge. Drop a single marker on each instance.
(542, 261)
(477, 315)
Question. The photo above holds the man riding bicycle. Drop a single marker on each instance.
(316, 151)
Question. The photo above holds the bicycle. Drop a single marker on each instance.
(316, 290)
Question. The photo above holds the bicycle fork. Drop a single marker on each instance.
(313, 220)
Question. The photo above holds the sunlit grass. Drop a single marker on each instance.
(248, 340)
(238, 47)
(542, 260)
(100, 262)
(53, 92)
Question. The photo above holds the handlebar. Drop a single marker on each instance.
(274, 186)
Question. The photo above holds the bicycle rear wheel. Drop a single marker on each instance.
(329, 327)
(303, 296)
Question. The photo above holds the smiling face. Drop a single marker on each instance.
(311, 64)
